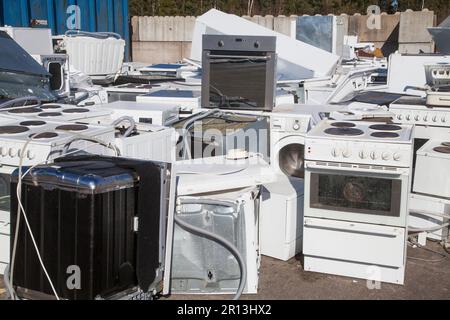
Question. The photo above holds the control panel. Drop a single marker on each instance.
(371, 153)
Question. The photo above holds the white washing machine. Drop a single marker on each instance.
(289, 126)
(281, 218)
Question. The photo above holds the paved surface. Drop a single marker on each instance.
(287, 280)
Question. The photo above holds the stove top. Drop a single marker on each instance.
(367, 143)
(364, 131)
(59, 112)
(436, 149)
(44, 137)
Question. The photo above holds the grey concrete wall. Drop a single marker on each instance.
(413, 35)
(168, 39)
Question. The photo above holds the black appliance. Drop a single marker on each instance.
(239, 72)
(105, 217)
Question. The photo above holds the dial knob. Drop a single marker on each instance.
(3, 151)
(425, 118)
(385, 156)
(373, 155)
(397, 156)
(12, 152)
(31, 155)
(435, 119)
(417, 118)
(296, 126)
(347, 153)
(334, 152)
(363, 154)
(399, 117)
(408, 117)
(443, 120)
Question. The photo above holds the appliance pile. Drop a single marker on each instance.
(127, 182)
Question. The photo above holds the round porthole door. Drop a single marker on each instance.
(291, 157)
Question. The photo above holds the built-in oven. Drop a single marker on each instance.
(357, 193)
(239, 72)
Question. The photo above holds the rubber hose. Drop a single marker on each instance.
(226, 244)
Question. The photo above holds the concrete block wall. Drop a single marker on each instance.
(168, 39)
(413, 34)
(162, 39)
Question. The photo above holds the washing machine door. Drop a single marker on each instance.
(290, 156)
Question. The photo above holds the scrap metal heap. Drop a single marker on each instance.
(125, 182)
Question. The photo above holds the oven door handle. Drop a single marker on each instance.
(351, 227)
(397, 172)
(224, 56)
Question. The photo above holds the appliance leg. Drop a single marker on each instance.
(422, 239)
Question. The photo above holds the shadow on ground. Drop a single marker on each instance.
(425, 279)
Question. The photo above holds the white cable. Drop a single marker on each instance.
(21, 209)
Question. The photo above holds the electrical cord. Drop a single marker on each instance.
(94, 140)
(446, 249)
(413, 243)
(226, 244)
(128, 119)
(8, 285)
(20, 211)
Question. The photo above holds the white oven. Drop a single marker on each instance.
(356, 220)
(357, 193)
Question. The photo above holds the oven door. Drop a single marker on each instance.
(367, 195)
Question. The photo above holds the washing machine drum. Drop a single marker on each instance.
(292, 160)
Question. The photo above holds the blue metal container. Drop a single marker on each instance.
(94, 15)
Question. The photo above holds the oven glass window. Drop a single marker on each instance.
(365, 195)
(238, 83)
(4, 192)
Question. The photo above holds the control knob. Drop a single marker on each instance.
(385, 156)
(31, 155)
(397, 156)
(347, 153)
(12, 152)
(435, 119)
(373, 155)
(408, 117)
(334, 152)
(417, 118)
(296, 126)
(363, 154)
(3, 151)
